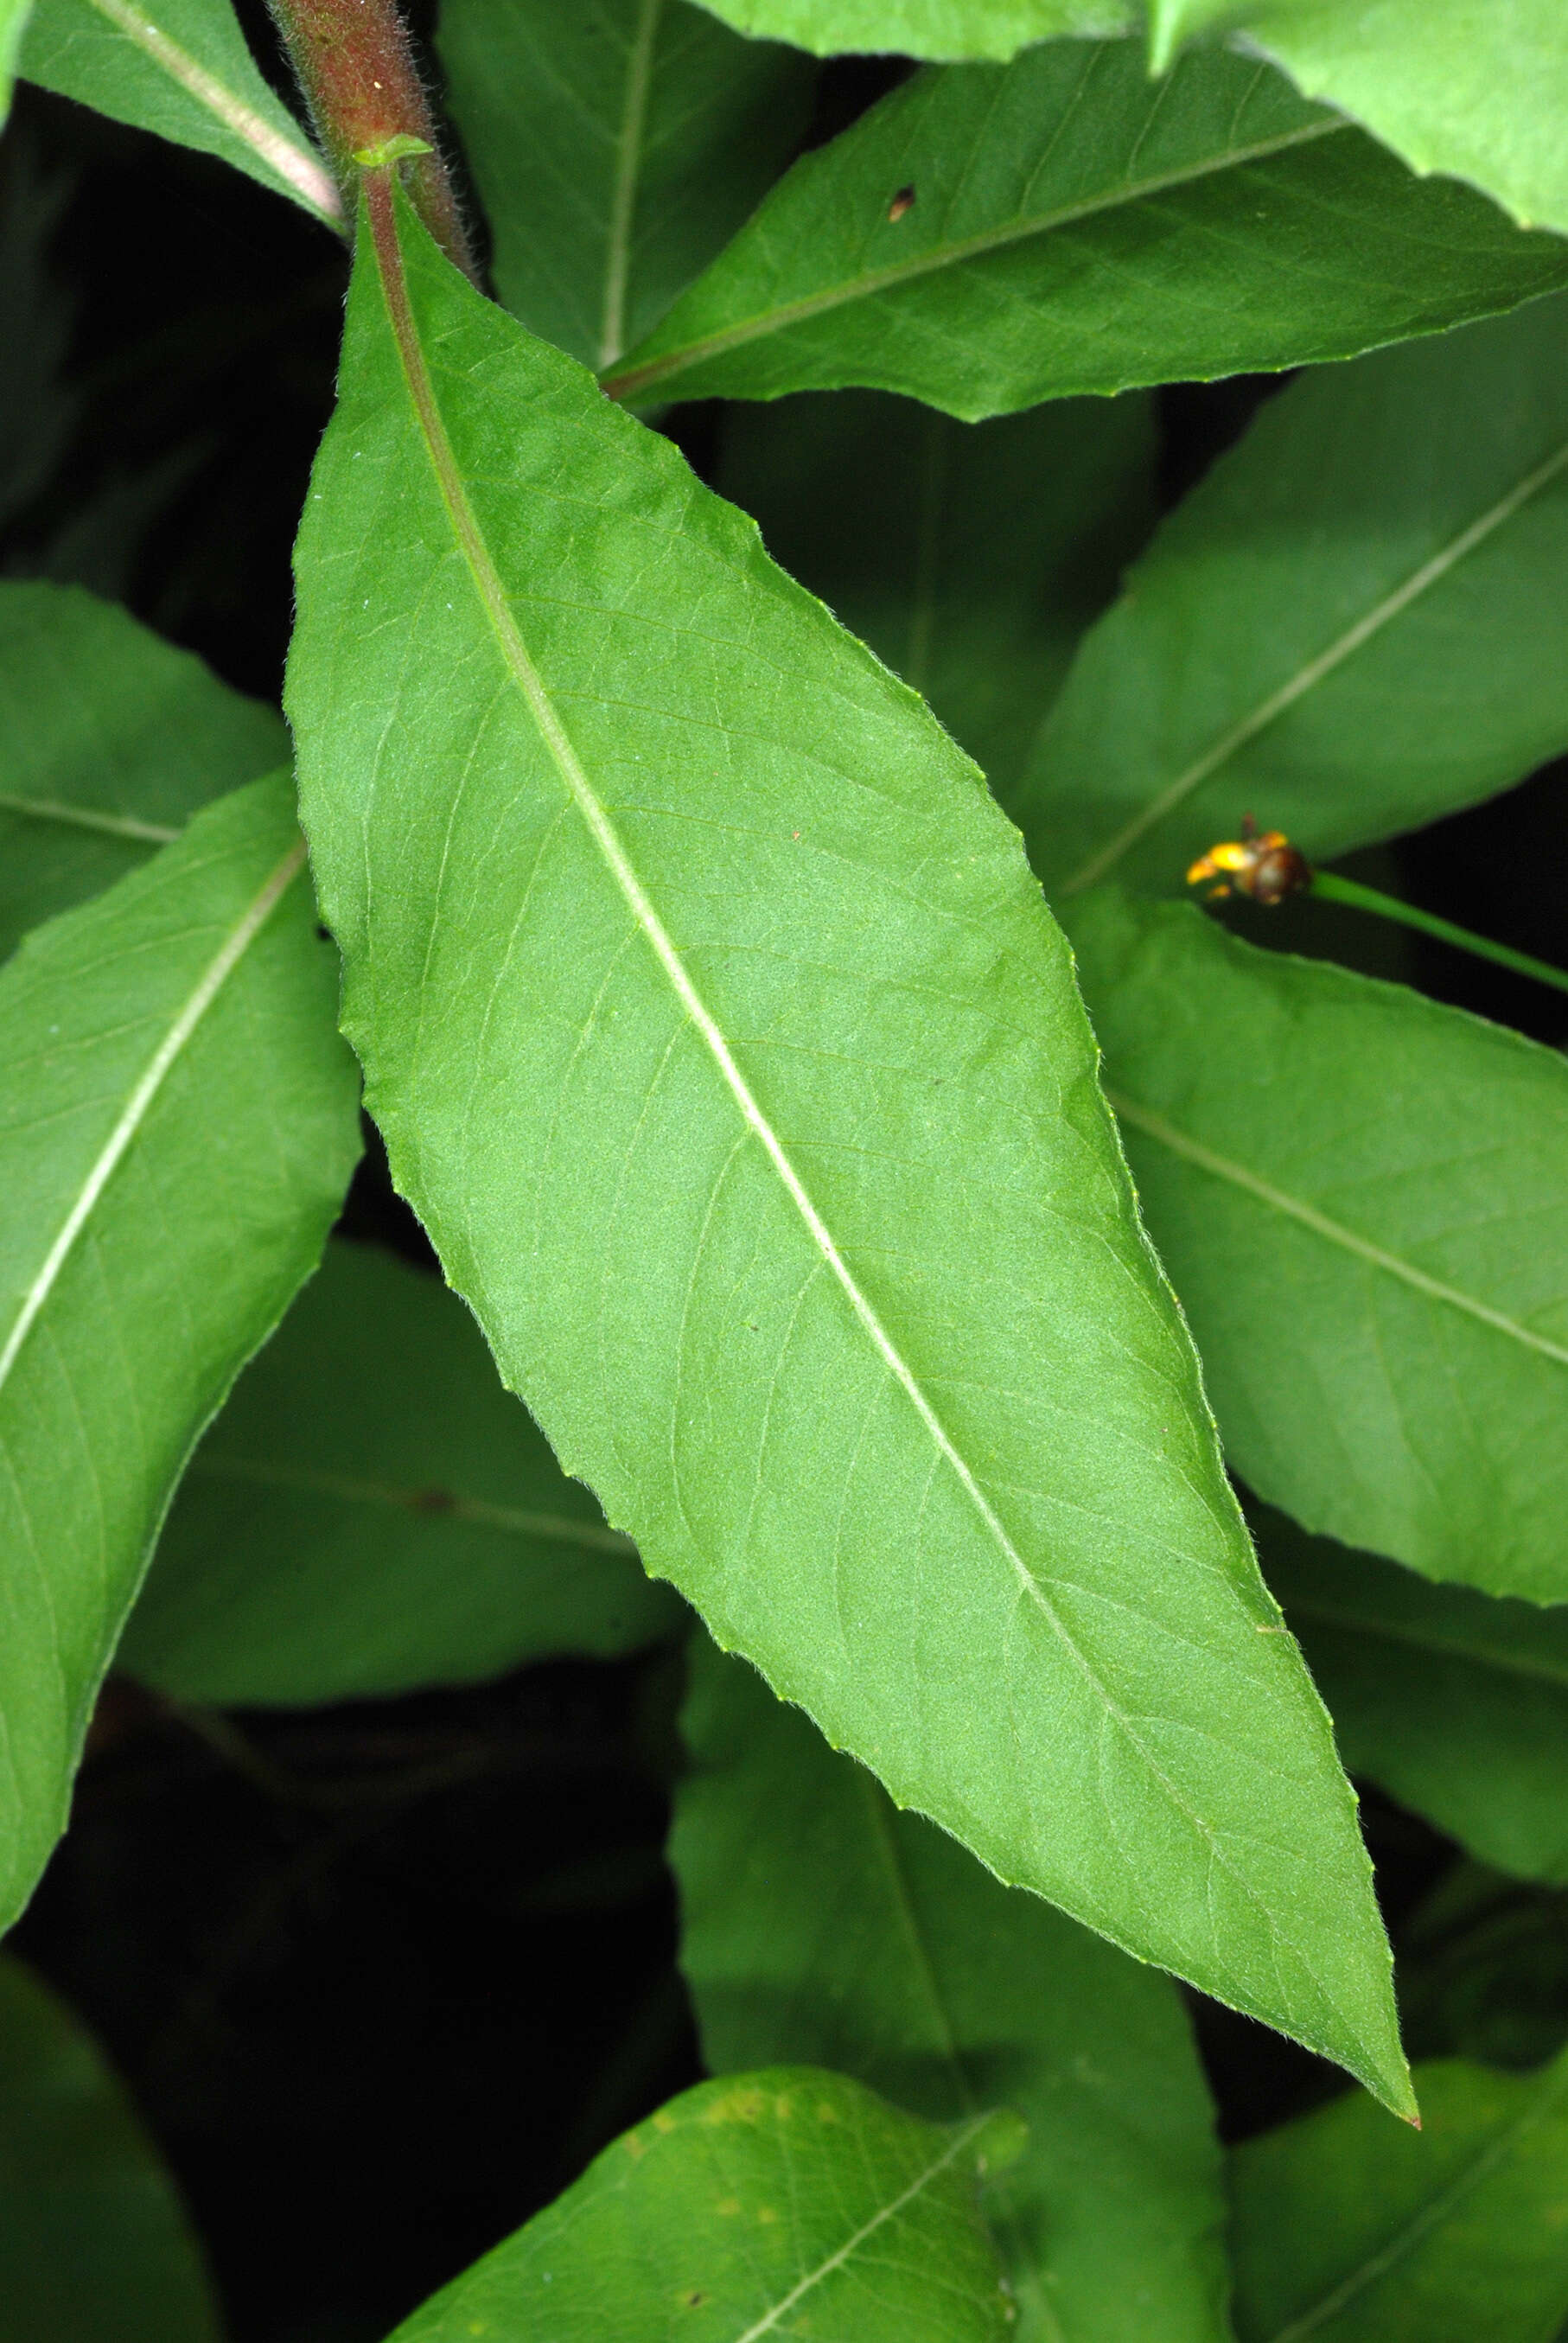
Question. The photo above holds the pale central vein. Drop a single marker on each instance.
(1295, 1208)
(853, 2246)
(432, 1504)
(134, 1113)
(112, 825)
(951, 254)
(1306, 679)
(628, 167)
(289, 157)
(1432, 1643)
(1427, 2217)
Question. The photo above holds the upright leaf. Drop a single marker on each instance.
(94, 2247)
(819, 1924)
(109, 740)
(371, 1512)
(971, 557)
(1454, 1703)
(689, 962)
(989, 236)
(1353, 625)
(789, 2202)
(1352, 2231)
(923, 28)
(176, 1127)
(1476, 87)
(617, 148)
(1360, 1196)
(181, 69)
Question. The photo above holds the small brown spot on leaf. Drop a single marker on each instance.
(433, 1501)
(904, 201)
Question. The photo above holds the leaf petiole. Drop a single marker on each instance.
(1351, 891)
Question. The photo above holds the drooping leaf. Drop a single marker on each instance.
(181, 69)
(688, 958)
(94, 2247)
(1475, 87)
(1350, 2230)
(110, 738)
(618, 147)
(1359, 1197)
(1454, 1703)
(989, 236)
(971, 557)
(371, 1512)
(924, 28)
(177, 1124)
(788, 2202)
(820, 1925)
(1351, 626)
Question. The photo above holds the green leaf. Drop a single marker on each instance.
(687, 959)
(1454, 1703)
(820, 1925)
(1074, 227)
(789, 2202)
(971, 557)
(13, 23)
(110, 738)
(923, 28)
(372, 1512)
(1475, 87)
(181, 69)
(1359, 1198)
(1350, 2230)
(177, 1125)
(94, 2247)
(617, 149)
(1353, 626)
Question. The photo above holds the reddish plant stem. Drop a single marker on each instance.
(357, 70)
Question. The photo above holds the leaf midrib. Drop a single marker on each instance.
(1430, 1642)
(441, 1504)
(142, 1094)
(72, 817)
(633, 380)
(1224, 1167)
(380, 201)
(628, 149)
(1405, 2241)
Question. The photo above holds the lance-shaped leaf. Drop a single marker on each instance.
(1481, 91)
(819, 1924)
(618, 148)
(95, 2245)
(924, 28)
(109, 740)
(788, 2202)
(181, 69)
(989, 236)
(1353, 625)
(1359, 1197)
(177, 1125)
(727, 1049)
(1454, 1703)
(971, 557)
(1350, 2230)
(371, 1512)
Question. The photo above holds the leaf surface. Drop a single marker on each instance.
(181, 69)
(372, 1512)
(1351, 626)
(990, 236)
(723, 1043)
(1475, 87)
(1359, 1198)
(1454, 1703)
(95, 2245)
(12, 22)
(110, 738)
(177, 1125)
(617, 147)
(923, 28)
(970, 556)
(789, 2202)
(1350, 2230)
(819, 1924)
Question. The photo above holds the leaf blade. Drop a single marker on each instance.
(605, 1170)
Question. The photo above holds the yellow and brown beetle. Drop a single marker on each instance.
(1263, 865)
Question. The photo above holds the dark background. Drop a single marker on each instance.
(383, 1977)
